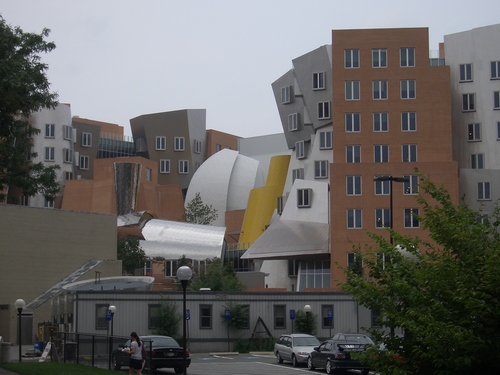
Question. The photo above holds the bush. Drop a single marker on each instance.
(260, 344)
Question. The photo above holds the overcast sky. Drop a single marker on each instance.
(118, 59)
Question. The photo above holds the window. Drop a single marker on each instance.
(498, 130)
(286, 96)
(304, 198)
(327, 316)
(382, 187)
(279, 316)
(325, 140)
(24, 200)
(483, 191)
(355, 263)
(293, 122)
(67, 155)
(381, 153)
(205, 316)
(319, 81)
(86, 139)
(48, 203)
(67, 132)
(382, 218)
(314, 274)
(352, 122)
(411, 218)
(49, 153)
(474, 132)
(379, 90)
(298, 174)
(408, 89)
(376, 318)
(379, 58)
(170, 268)
(323, 110)
(409, 153)
(495, 70)
(353, 185)
(183, 166)
(300, 150)
(351, 58)
(407, 57)
(320, 168)
(68, 175)
(218, 147)
(148, 174)
(178, 143)
(84, 162)
(50, 130)
(352, 90)
(164, 166)
(280, 205)
(100, 316)
(496, 100)
(408, 121)
(353, 154)
(154, 317)
(354, 218)
(468, 102)
(477, 161)
(380, 122)
(161, 143)
(465, 72)
(197, 146)
(411, 186)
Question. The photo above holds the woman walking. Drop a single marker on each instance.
(135, 365)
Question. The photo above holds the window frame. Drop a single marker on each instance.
(297, 173)
(381, 187)
(408, 121)
(197, 146)
(100, 316)
(153, 316)
(183, 167)
(380, 89)
(353, 122)
(324, 110)
(50, 130)
(354, 151)
(286, 94)
(474, 132)
(382, 216)
(321, 169)
(179, 144)
(319, 81)
(160, 143)
(465, 72)
(495, 70)
(406, 89)
(327, 323)
(354, 218)
(86, 139)
(496, 100)
(293, 122)
(411, 187)
(304, 198)
(407, 57)
(468, 102)
(381, 153)
(50, 154)
(409, 150)
(477, 161)
(164, 165)
(300, 150)
(326, 140)
(353, 185)
(84, 162)
(67, 132)
(484, 191)
(352, 88)
(380, 52)
(379, 125)
(351, 58)
(279, 316)
(410, 218)
(67, 155)
(206, 316)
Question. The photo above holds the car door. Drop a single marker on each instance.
(325, 353)
(288, 349)
(316, 356)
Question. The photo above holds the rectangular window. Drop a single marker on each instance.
(352, 122)
(496, 100)
(477, 161)
(86, 139)
(161, 143)
(293, 267)
(205, 316)
(84, 162)
(468, 102)
(67, 132)
(380, 122)
(465, 72)
(323, 110)
(381, 153)
(304, 198)
(407, 57)
(351, 58)
(375, 319)
(483, 191)
(379, 58)
(286, 94)
(354, 218)
(382, 187)
(409, 153)
(408, 89)
(325, 140)
(355, 262)
(48, 204)
(178, 143)
(353, 153)
(498, 130)
(68, 176)
(411, 218)
(297, 174)
(495, 70)
(300, 152)
(382, 218)
(327, 316)
(280, 205)
(379, 90)
(293, 122)
(50, 130)
(183, 166)
(50, 153)
(321, 169)
(197, 146)
(170, 268)
(154, 317)
(474, 132)
(352, 90)
(24, 200)
(408, 121)
(319, 81)
(410, 187)
(353, 185)
(314, 274)
(148, 174)
(279, 316)
(67, 155)
(164, 166)
(100, 316)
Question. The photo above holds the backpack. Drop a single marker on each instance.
(143, 352)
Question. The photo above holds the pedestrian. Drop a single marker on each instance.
(135, 351)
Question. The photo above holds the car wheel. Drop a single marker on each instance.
(310, 363)
(116, 365)
(179, 370)
(328, 367)
(278, 357)
(295, 363)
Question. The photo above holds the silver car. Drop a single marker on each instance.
(294, 347)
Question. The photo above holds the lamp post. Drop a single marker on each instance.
(20, 304)
(184, 274)
(112, 310)
(307, 309)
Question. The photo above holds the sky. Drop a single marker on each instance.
(119, 59)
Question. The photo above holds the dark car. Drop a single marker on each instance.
(162, 352)
(335, 354)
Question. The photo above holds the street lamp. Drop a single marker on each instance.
(307, 309)
(112, 310)
(20, 304)
(184, 274)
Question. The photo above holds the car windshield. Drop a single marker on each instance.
(305, 341)
(360, 339)
(160, 341)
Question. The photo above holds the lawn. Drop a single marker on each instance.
(52, 368)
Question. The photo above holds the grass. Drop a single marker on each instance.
(52, 368)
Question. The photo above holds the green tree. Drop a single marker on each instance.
(169, 319)
(199, 213)
(238, 313)
(24, 89)
(131, 254)
(305, 324)
(444, 293)
(218, 277)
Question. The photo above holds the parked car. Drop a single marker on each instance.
(162, 352)
(294, 347)
(335, 354)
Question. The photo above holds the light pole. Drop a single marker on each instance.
(307, 309)
(112, 310)
(20, 304)
(184, 274)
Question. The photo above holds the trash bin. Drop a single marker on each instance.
(38, 347)
(4, 351)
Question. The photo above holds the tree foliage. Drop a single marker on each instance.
(238, 313)
(218, 277)
(199, 213)
(444, 293)
(304, 323)
(169, 319)
(131, 254)
(24, 89)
